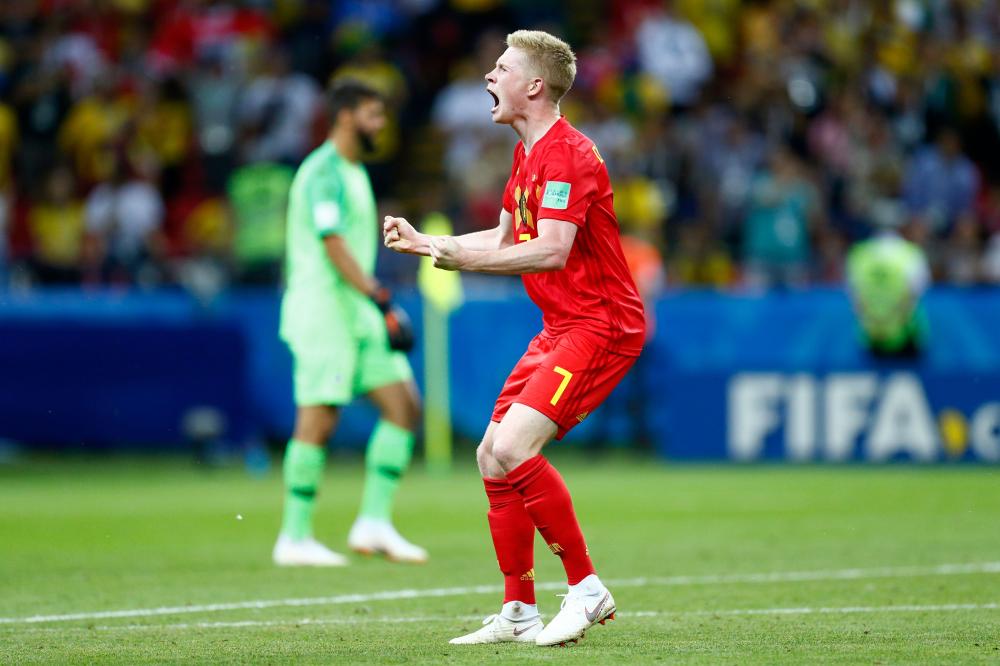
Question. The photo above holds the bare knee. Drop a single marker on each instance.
(509, 452)
(400, 406)
(413, 410)
(315, 424)
(520, 436)
(488, 467)
(484, 457)
(403, 415)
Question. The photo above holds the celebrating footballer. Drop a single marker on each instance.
(558, 230)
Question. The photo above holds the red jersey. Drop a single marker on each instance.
(564, 178)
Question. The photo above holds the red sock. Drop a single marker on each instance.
(513, 539)
(547, 501)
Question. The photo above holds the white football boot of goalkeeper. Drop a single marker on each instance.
(305, 553)
(369, 537)
(515, 623)
(587, 603)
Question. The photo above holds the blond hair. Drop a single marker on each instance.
(550, 57)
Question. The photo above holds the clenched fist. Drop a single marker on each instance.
(399, 235)
(446, 253)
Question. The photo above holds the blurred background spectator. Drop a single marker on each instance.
(149, 142)
(124, 222)
(56, 229)
(781, 218)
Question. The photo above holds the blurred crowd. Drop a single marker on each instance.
(152, 142)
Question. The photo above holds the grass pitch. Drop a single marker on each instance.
(154, 561)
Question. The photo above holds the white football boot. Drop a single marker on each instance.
(587, 603)
(305, 553)
(515, 623)
(369, 536)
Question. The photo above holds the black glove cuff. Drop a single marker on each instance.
(382, 298)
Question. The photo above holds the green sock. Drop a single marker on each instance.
(303, 470)
(389, 451)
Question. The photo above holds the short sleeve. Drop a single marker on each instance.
(324, 200)
(569, 182)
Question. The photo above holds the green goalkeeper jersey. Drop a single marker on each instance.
(329, 195)
(887, 275)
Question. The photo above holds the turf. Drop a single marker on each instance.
(87, 536)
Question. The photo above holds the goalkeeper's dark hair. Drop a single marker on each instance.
(349, 94)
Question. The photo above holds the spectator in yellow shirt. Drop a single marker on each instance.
(55, 224)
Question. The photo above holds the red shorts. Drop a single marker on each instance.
(564, 377)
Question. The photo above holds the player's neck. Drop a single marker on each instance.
(346, 142)
(533, 127)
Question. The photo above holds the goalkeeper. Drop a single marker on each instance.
(886, 277)
(346, 337)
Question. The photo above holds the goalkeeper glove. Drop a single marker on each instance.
(397, 323)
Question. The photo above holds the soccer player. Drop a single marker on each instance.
(558, 230)
(345, 336)
(886, 277)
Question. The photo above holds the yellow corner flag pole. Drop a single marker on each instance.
(442, 294)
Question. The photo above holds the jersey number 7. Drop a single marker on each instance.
(566, 375)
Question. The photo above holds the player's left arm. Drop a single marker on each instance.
(548, 252)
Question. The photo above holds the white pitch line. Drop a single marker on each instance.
(271, 623)
(822, 610)
(835, 574)
(393, 595)
(838, 610)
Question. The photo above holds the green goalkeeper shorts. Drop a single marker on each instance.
(334, 374)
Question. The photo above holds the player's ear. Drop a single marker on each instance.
(535, 87)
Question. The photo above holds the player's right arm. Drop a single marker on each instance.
(399, 235)
(325, 208)
(345, 263)
(397, 324)
(327, 218)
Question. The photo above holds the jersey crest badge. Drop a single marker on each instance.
(522, 209)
